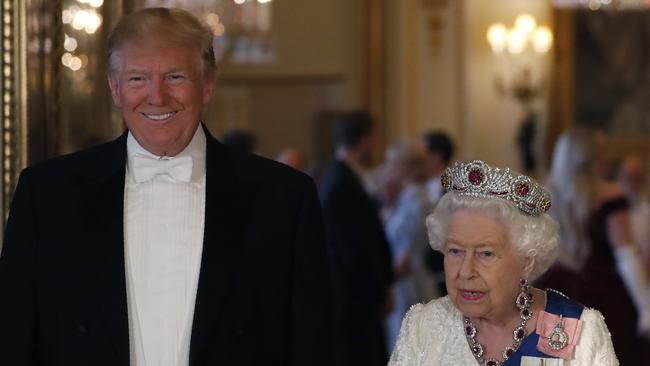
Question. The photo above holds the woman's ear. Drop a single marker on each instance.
(529, 264)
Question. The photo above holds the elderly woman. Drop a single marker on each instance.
(496, 236)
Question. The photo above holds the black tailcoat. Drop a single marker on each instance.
(263, 291)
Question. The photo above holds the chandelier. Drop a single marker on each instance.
(603, 4)
(241, 28)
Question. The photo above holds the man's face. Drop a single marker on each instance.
(160, 92)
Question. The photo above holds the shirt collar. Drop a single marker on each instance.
(196, 149)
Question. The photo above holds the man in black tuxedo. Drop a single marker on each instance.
(360, 260)
(439, 151)
(163, 247)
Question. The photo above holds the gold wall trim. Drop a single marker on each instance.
(412, 59)
(22, 92)
(375, 56)
(435, 23)
(13, 99)
(562, 92)
(374, 82)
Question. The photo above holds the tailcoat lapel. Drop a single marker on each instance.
(103, 217)
(227, 207)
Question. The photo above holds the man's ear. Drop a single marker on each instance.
(114, 85)
(208, 89)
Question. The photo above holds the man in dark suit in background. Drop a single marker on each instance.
(439, 151)
(163, 247)
(360, 260)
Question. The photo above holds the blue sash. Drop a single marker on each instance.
(555, 304)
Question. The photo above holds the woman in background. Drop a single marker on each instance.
(405, 177)
(598, 264)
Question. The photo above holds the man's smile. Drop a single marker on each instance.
(159, 117)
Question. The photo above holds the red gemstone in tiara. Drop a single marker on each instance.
(476, 176)
(522, 189)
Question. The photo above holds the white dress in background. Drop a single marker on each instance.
(406, 232)
(433, 335)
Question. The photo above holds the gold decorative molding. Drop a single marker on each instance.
(13, 99)
(374, 58)
(435, 22)
(562, 94)
(374, 87)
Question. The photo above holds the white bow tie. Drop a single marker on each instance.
(146, 168)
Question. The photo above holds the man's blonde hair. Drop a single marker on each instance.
(164, 26)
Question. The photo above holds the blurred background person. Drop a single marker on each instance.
(633, 178)
(439, 152)
(241, 139)
(406, 232)
(597, 250)
(292, 157)
(360, 259)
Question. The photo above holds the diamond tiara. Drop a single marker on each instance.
(478, 179)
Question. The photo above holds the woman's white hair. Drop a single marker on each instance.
(532, 236)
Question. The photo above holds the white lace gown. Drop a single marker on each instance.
(433, 335)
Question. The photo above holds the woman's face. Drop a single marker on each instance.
(482, 268)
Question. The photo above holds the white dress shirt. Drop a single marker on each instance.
(164, 220)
